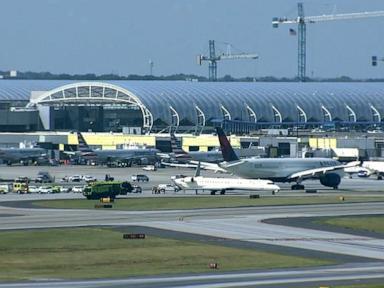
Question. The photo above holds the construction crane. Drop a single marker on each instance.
(212, 59)
(302, 21)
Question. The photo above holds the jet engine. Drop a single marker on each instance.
(330, 180)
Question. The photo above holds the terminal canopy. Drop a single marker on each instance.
(93, 94)
(199, 104)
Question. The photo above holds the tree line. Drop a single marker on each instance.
(183, 77)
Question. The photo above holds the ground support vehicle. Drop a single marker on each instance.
(44, 177)
(105, 189)
(136, 189)
(140, 177)
(20, 187)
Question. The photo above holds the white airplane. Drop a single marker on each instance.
(367, 169)
(375, 167)
(213, 185)
(328, 171)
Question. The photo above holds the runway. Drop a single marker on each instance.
(243, 224)
(232, 223)
(289, 278)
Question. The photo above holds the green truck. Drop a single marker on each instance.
(104, 189)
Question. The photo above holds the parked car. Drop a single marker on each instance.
(162, 188)
(363, 174)
(75, 178)
(5, 188)
(64, 189)
(150, 168)
(77, 189)
(88, 178)
(34, 189)
(45, 189)
(21, 179)
(44, 177)
(56, 189)
(140, 177)
(136, 189)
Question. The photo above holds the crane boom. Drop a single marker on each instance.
(237, 56)
(346, 16)
(330, 17)
(213, 58)
(301, 22)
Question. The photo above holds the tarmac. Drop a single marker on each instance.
(259, 227)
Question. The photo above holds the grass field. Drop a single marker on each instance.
(365, 223)
(153, 203)
(103, 253)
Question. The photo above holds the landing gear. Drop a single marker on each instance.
(222, 192)
(297, 187)
(213, 192)
(335, 187)
(275, 191)
(379, 177)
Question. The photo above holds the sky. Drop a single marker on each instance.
(121, 36)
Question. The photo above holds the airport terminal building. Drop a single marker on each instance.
(138, 107)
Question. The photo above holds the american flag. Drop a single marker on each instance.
(292, 32)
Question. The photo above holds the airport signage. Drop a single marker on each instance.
(134, 236)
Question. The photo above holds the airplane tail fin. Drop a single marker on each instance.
(176, 148)
(226, 148)
(83, 146)
(197, 173)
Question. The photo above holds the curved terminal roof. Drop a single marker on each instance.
(258, 101)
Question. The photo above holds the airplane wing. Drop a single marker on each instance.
(193, 164)
(71, 153)
(185, 165)
(375, 167)
(320, 171)
(209, 166)
(164, 155)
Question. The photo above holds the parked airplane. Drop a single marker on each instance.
(328, 171)
(127, 156)
(214, 156)
(179, 155)
(223, 184)
(375, 167)
(23, 155)
(367, 169)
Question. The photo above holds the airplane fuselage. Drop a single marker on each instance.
(276, 169)
(122, 155)
(20, 154)
(220, 184)
(207, 156)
